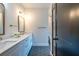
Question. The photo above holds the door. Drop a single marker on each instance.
(67, 17)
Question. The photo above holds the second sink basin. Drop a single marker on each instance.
(2, 45)
(7, 42)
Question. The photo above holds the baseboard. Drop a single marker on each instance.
(40, 44)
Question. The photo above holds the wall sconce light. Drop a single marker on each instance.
(77, 12)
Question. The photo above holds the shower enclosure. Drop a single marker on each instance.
(65, 25)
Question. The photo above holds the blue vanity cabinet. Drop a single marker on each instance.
(20, 49)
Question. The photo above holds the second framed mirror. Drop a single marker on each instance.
(21, 24)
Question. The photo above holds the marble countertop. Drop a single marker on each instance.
(8, 43)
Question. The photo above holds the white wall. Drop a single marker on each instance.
(11, 11)
(39, 18)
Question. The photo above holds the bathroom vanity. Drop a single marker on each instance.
(16, 46)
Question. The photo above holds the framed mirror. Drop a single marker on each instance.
(2, 19)
(21, 24)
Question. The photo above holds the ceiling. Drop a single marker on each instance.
(36, 5)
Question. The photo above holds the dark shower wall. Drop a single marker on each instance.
(67, 29)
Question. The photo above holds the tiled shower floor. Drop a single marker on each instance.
(39, 51)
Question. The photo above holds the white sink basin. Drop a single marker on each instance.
(9, 42)
(6, 42)
(2, 44)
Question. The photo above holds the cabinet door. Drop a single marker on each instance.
(25, 46)
(28, 45)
